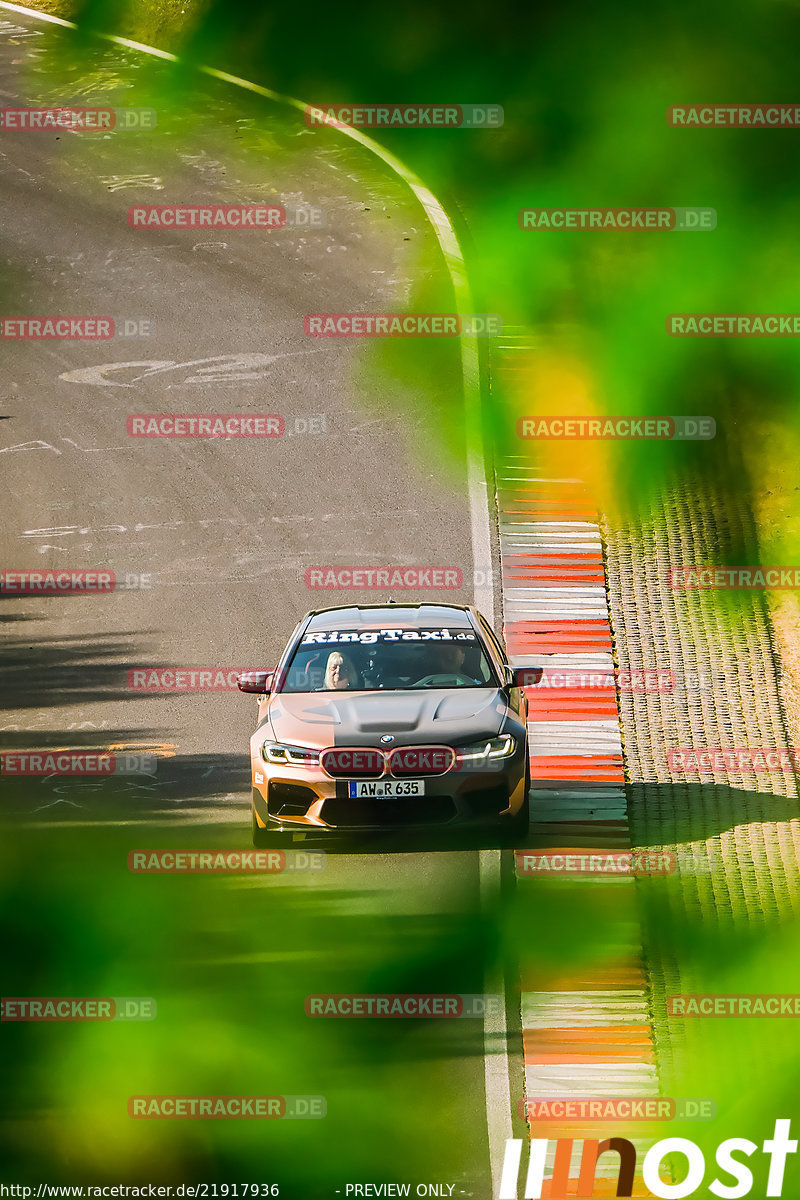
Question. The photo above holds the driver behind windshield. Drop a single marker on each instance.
(450, 658)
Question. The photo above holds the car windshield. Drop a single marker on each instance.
(375, 659)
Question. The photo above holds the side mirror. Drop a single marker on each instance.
(523, 677)
(259, 682)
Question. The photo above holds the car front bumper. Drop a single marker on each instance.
(306, 799)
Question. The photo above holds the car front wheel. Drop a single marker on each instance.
(519, 825)
(261, 836)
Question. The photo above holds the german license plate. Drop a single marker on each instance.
(381, 789)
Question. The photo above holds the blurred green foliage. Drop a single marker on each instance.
(585, 91)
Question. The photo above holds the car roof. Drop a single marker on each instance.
(403, 616)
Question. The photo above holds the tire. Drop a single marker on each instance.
(519, 825)
(268, 839)
(261, 837)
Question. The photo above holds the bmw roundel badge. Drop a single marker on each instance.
(386, 739)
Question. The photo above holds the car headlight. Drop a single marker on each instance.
(487, 750)
(289, 756)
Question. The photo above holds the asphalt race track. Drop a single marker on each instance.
(218, 534)
(609, 472)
